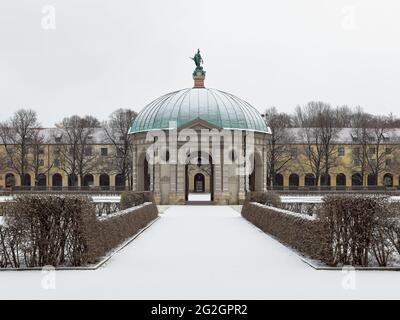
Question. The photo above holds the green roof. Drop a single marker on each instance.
(219, 108)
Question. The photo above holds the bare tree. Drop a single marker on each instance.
(380, 134)
(37, 145)
(319, 125)
(117, 131)
(17, 135)
(361, 138)
(75, 140)
(279, 151)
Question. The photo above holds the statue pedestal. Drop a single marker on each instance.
(198, 76)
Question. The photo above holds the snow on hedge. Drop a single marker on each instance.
(291, 213)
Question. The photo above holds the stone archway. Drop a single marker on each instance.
(10, 180)
(202, 171)
(256, 176)
(143, 173)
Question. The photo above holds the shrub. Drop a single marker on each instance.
(355, 226)
(132, 199)
(63, 230)
(267, 198)
(45, 230)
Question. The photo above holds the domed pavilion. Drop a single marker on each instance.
(200, 177)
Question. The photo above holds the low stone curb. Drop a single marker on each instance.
(91, 267)
(327, 268)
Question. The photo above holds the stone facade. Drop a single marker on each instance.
(172, 182)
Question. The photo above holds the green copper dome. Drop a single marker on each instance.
(219, 108)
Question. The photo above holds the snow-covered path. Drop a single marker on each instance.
(202, 252)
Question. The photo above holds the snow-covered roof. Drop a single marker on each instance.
(343, 136)
(52, 135)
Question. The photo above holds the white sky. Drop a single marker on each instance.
(103, 55)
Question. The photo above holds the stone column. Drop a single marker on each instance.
(265, 170)
(134, 170)
(217, 179)
(96, 180)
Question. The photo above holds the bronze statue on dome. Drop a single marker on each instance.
(198, 60)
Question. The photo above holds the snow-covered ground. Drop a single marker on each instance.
(199, 196)
(202, 252)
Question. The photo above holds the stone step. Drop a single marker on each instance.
(199, 203)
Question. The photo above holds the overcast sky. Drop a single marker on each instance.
(98, 55)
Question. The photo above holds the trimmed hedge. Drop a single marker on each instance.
(57, 230)
(113, 229)
(304, 235)
(348, 230)
(267, 198)
(133, 198)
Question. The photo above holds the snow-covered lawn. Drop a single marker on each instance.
(202, 252)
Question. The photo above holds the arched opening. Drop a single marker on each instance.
(10, 180)
(309, 180)
(278, 181)
(341, 181)
(146, 175)
(199, 182)
(119, 182)
(26, 180)
(356, 180)
(41, 181)
(199, 175)
(388, 180)
(56, 181)
(104, 181)
(88, 180)
(325, 180)
(143, 174)
(72, 181)
(252, 181)
(256, 175)
(372, 180)
(294, 181)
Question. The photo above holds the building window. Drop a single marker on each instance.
(388, 162)
(341, 151)
(104, 152)
(9, 164)
(388, 150)
(371, 150)
(41, 163)
(88, 151)
(57, 139)
(357, 162)
(356, 151)
(56, 162)
(293, 152)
